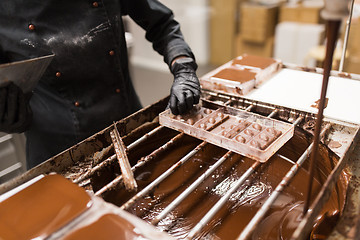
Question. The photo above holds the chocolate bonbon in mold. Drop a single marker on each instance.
(257, 126)
(237, 130)
(240, 139)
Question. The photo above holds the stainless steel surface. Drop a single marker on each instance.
(10, 169)
(26, 73)
(143, 138)
(12, 156)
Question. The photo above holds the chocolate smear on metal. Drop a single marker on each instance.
(120, 150)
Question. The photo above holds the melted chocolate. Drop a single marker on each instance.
(280, 221)
(323, 227)
(108, 227)
(236, 75)
(41, 208)
(254, 61)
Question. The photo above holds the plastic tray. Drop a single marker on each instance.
(243, 132)
(262, 68)
(213, 82)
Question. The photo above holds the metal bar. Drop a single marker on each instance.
(121, 155)
(93, 170)
(222, 201)
(346, 37)
(249, 108)
(85, 183)
(109, 160)
(144, 137)
(285, 158)
(273, 113)
(306, 223)
(191, 188)
(298, 120)
(5, 138)
(251, 226)
(158, 180)
(332, 31)
(140, 163)
(10, 169)
(227, 102)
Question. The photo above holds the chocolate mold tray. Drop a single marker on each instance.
(243, 132)
(240, 75)
(224, 83)
(266, 67)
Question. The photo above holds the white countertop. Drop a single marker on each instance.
(299, 90)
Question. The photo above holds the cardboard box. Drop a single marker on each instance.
(353, 48)
(222, 30)
(300, 13)
(257, 22)
(352, 65)
(259, 49)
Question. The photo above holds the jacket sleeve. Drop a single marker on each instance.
(161, 28)
(3, 58)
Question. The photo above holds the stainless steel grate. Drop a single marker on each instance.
(296, 117)
(74, 162)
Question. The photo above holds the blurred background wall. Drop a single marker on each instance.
(219, 30)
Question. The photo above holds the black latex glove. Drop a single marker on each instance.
(15, 111)
(185, 91)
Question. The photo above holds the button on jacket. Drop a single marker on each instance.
(87, 86)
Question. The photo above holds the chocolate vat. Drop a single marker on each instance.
(78, 159)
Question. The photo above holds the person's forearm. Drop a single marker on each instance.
(161, 28)
(2, 56)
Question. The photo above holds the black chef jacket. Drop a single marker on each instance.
(87, 86)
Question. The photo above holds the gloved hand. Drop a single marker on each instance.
(185, 90)
(15, 111)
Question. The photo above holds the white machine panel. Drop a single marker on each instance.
(300, 90)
